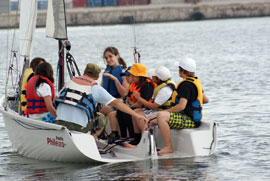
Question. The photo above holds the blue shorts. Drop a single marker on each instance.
(150, 112)
(48, 118)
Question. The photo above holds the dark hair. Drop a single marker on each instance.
(45, 70)
(35, 62)
(142, 81)
(114, 51)
(159, 81)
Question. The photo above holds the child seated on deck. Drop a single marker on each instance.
(40, 94)
(28, 73)
(162, 100)
(114, 116)
(112, 81)
(188, 99)
(141, 84)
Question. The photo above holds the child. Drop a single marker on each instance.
(187, 99)
(112, 80)
(40, 94)
(142, 84)
(162, 100)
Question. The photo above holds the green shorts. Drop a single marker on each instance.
(102, 121)
(179, 120)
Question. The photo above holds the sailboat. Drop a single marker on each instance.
(46, 141)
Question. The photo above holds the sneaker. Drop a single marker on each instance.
(134, 142)
(112, 137)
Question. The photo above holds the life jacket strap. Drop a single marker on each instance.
(34, 102)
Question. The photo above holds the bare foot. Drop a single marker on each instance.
(165, 150)
(127, 145)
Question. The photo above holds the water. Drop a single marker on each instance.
(233, 62)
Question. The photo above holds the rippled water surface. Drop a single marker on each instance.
(233, 63)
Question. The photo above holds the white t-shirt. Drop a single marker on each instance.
(101, 95)
(163, 95)
(43, 90)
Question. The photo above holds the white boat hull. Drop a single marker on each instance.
(190, 142)
(45, 141)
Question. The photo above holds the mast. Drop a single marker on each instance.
(61, 65)
(56, 28)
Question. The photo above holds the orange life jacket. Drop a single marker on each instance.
(134, 88)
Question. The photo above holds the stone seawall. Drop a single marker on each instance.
(153, 13)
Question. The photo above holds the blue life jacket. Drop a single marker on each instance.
(109, 84)
(79, 96)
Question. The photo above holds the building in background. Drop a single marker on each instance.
(4, 6)
(41, 4)
(102, 3)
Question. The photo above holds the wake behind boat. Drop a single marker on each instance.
(46, 141)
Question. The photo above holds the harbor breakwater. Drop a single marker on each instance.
(153, 13)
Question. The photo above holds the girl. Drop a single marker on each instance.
(40, 94)
(112, 81)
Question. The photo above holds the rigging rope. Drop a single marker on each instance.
(10, 66)
(136, 53)
(107, 40)
(13, 54)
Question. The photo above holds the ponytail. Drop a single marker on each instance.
(122, 62)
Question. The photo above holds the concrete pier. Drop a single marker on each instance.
(154, 13)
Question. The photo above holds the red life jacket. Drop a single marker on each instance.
(134, 88)
(36, 104)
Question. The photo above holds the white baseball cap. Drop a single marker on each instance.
(188, 64)
(163, 73)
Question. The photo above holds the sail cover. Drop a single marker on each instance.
(56, 20)
(28, 16)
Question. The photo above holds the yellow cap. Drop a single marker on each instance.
(138, 69)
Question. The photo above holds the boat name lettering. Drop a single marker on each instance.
(54, 142)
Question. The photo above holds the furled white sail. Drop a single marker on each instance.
(28, 16)
(56, 20)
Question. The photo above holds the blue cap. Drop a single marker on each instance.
(126, 72)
